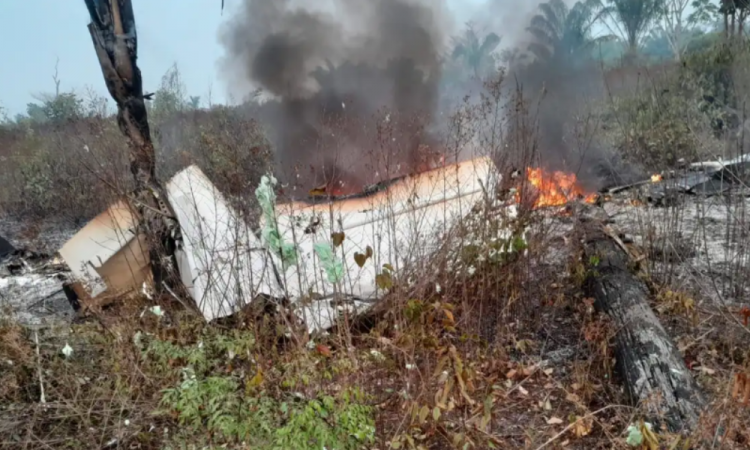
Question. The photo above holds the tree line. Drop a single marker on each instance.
(608, 31)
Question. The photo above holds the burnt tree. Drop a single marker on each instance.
(652, 368)
(113, 33)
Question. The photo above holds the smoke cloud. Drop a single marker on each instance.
(331, 71)
(557, 91)
(355, 84)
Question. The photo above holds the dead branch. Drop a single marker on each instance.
(113, 34)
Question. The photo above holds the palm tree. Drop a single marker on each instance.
(738, 11)
(634, 19)
(743, 6)
(562, 33)
(475, 53)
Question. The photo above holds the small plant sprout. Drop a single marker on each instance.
(635, 438)
(157, 311)
(636, 433)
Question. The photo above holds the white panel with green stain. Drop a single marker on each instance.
(402, 226)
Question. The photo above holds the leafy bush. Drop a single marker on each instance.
(57, 172)
(219, 394)
(656, 132)
(326, 422)
(213, 404)
(56, 161)
(230, 148)
(668, 120)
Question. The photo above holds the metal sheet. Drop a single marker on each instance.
(225, 265)
(222, 263)
(96, 244)
(403, 225)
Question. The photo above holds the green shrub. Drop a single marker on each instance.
(326, 422)
(673, 117)
(219, 394)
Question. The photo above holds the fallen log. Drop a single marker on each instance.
(651, 366)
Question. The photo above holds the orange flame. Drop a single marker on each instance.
(556, 188)
(655, 178)
(548, 188)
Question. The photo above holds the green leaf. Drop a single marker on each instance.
(519, 244)
(384, 281)
(423, 413)
(257, 380)
(635, 438)
(270, 233)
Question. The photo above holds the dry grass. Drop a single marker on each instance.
(508, 354)
(71, 172)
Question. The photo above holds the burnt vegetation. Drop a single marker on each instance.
(522, 341)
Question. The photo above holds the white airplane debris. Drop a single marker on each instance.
(329, 258)
(106, 257)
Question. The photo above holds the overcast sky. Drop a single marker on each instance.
(34, 34)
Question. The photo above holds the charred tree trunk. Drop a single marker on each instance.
(724, 10)
(113, 33)
(653, 370)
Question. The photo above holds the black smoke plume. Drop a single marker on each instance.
(352, 88)
(557, 91)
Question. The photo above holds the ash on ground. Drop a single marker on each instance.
(697, 242)
(45, 237)
(31, 290)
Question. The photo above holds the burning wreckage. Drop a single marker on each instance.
(325, 255)
(706, 178)
(334, 255)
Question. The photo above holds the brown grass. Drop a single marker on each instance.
(510, 355)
